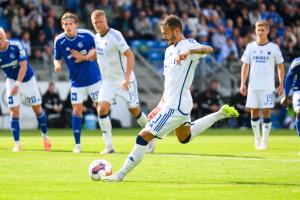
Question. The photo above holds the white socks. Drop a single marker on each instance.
(256, 129)
(266, 128)
(204, 123)
(133, 159)
(142, 120)
(105, 126)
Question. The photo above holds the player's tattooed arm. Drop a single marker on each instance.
(202, 50)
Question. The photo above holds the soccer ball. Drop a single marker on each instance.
(99, 168)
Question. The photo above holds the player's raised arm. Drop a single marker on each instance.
(202, 50)
(280, 68)
(244, 75)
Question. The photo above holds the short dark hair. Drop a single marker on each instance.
(171, 21)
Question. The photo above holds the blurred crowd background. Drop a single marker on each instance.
(226, 25)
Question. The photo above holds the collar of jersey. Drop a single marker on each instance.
(73, 38)
(263, 44)
(105, 32)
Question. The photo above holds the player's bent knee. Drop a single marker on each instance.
(141, 141)
(187, 140)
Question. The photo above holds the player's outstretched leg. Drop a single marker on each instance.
(131, 162)
(204, 123)
(44, 128)
(15, 130)
(76, 126)
(298, 128)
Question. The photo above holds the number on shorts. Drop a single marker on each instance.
(94, 95)
(10, 100)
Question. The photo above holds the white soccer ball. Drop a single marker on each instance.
(99, 168)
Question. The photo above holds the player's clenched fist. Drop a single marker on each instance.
(153, 113)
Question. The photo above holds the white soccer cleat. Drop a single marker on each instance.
(16, 148)
(263, 146)
(117, 177)
(229, 111)
(257, 143)
(107, 151)
(151, 146)
(77, 149)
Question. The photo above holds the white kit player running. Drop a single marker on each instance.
(260, 57)
(20, 81)
(173, 111)
(116, 62)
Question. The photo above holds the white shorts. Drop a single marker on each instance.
(110, 92)
(260, 99)
(28, 92)
(165, 121)
(79, 94)
(296, 100)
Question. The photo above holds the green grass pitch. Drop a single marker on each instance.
(219, 164)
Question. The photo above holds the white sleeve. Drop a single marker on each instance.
(121, 44)
(278, 56)
(246, 56)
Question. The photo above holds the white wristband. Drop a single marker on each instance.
(17, 83)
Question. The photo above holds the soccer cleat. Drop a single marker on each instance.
(229, 111)
(17, 148)
(263, 146)
(47, 144)
(257, 143)
(117, 177)
(151, 146)
(77, 149)
(107, 151)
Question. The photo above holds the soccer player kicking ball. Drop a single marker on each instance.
(84, 72)
(173, 111)
(20, 80)
(292, 83)
(261, 56)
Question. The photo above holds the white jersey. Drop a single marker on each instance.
(112, 62)
(262, 60)
(179, 77)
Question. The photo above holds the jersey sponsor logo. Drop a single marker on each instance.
(13, 64)
(100, 51)
(260, 59)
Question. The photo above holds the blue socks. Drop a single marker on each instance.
(76, 125)
(15, 128)
(43, 122)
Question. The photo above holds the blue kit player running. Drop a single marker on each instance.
(84, 73)
(292, 82)
(20, 80)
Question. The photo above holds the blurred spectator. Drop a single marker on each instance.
(239, 102)
(228, 51)
(33, 29)
(53, 107)
(25, 38)
(125, 25)
(142, 26)
(210, 100)
(218, 39)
